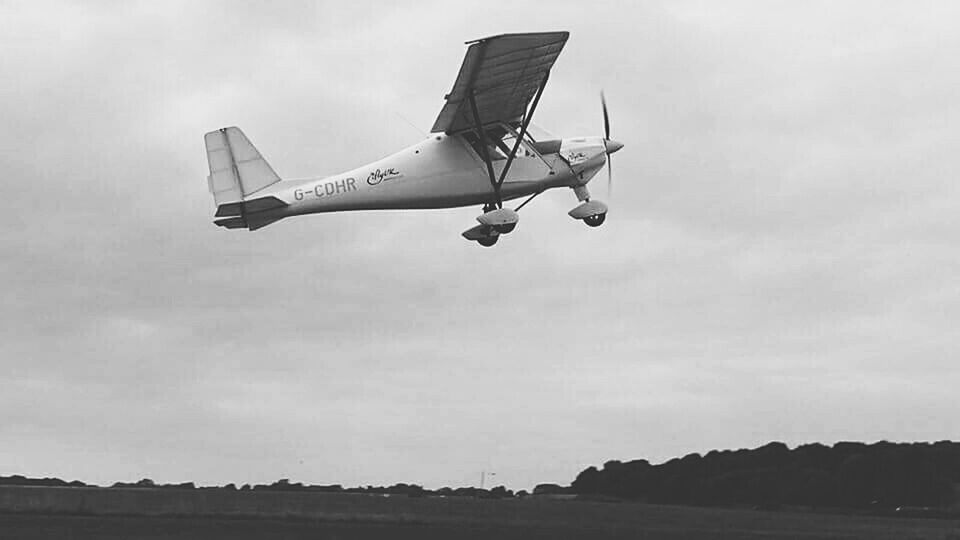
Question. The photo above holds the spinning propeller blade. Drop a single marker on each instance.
(609, 177)
(609, 145)
(606, 140)
(606, 117)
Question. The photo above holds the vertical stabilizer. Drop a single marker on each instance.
(237, 169)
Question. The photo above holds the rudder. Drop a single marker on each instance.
(237, 169)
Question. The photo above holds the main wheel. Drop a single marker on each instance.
(505, 228)
(595, 221)
(488, 241)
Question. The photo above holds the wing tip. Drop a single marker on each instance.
(564, 33)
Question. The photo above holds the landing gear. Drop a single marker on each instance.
(595, 220)
(493, 222)
(496, 219)
(593, 213)
(485, 235)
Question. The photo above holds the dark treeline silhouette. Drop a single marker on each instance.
(848, 475)
(148, 483)
(17, 480)
(284, 485)
(401, 489)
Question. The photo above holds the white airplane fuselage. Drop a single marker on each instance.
(441, 171)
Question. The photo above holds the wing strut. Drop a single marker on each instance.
(481, 134)
(524, 203)
(523, 131)
(486, 153)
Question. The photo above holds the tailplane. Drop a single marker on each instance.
(238, 171)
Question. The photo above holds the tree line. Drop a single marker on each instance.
(848, 474)
(283, 485)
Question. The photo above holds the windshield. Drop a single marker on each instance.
(500, 141)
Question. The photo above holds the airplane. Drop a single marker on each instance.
(479, 152)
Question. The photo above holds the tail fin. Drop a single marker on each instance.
(236, 167)
(237, 170)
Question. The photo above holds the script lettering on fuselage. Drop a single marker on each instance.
(327, 189)
(575, 157)
(382, 175)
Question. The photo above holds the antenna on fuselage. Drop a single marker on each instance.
(423, 134)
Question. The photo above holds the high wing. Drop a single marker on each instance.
(503, 73)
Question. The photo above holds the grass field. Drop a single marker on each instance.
(34, 513)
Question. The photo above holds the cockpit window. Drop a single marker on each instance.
(509, 140)
(500, 141)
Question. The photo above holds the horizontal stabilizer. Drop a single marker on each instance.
(249, 214)
(229, 209)
(232, 223)
(253, 222)
(249, 207)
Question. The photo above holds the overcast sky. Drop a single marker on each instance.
(780, 260)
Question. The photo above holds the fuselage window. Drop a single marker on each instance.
(507, 143)
(500, 143)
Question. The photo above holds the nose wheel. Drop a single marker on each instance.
(593, 213)
(595, 220)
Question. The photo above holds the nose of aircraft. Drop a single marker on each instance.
(612, 145)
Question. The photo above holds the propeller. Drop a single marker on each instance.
(606, 116)
(609, 145)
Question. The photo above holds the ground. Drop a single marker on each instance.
(476, 519)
